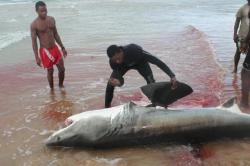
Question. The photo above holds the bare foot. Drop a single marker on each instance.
(52, 95)
(62, 89)
(52, 91)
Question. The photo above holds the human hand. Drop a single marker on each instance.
(114, 82)
(174, 83)
(235, 38)
(65, 54)
(38, 62)
(244, 47)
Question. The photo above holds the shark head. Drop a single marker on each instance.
(66, 136)
(85, 128)
(80, 132)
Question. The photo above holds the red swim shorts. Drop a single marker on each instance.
(50, 56)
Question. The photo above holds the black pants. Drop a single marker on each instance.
(143, 69)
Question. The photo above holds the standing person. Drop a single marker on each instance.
(132, 56)
(245, 73)
(241, 28)
(245, 80)
(44, 28)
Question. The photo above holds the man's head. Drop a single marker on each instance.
(41, 9)
(115, 54)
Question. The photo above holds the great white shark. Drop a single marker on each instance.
(132, 124)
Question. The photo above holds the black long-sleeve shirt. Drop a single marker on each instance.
(134, 56)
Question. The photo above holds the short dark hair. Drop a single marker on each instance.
(112, 50)
(39, 3)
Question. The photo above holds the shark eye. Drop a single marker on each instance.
(58, 138)
(68, 122)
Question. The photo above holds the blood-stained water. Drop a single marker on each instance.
(30, 112)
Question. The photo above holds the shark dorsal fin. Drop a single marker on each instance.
(231, 106)
(230, 102)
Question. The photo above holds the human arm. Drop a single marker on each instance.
(34, 43)
(58, 39)
(116, 79)
(154, 60)
(236, 26)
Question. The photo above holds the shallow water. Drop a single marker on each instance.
(193, 37)
(31, 113)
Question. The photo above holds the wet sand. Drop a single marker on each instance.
(30, 112)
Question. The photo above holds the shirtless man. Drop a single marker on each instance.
(44, 27)
(241, 28)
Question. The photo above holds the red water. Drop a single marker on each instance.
(30, 113)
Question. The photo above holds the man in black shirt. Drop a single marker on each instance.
(132, 56)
